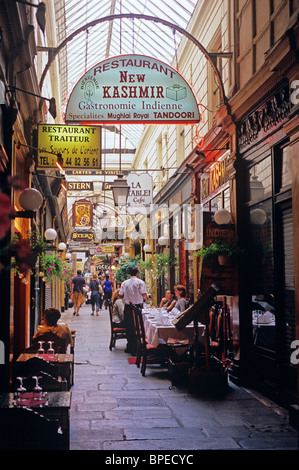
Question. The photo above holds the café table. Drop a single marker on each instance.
(64, 363)
(160, 330)
(54, 406)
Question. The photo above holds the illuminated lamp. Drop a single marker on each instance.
(59, 162)
(68, 256)
(222, 217)
(50, 234)
(147, 249)
(61, 246)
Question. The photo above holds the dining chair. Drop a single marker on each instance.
(116, 331)
(146, 352)
(59, 344)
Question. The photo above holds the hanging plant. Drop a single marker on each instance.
(52, 267)
(37, 243)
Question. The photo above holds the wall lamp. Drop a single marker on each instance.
(52, 106)
(30, 200)
(40, 14)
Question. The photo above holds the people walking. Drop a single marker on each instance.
(132, 291)
(96, 294)
(107, 291)
(78, 296)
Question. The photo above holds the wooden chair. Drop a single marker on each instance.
(26, 429)
(146, 352)
(116, 331)
(59, 344)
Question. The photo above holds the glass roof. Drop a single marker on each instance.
(114, 37)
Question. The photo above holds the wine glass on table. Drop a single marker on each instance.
(21, 389)
(37, 388)
(41, 349)
(51, 350)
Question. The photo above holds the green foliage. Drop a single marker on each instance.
(219, 247)
(52, 267)
(37, 242)
(123, 271)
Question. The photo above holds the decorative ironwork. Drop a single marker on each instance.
(271, 113)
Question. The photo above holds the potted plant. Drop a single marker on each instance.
(221, 249)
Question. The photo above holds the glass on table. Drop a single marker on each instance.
(41, 349)
(51, 349)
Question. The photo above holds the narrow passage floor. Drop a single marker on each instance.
(115, 408)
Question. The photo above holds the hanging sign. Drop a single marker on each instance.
(82, 214)
(140, 195)
(79, 146)
(132, 89)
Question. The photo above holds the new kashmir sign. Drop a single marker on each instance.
(132, 89)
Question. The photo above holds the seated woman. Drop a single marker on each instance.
(168, 301)
(118, 307)
(180, 293)
(49, 329)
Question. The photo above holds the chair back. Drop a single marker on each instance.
(59, 344)
(33, 366)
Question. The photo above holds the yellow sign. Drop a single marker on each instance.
(108, 249)
(79, 146)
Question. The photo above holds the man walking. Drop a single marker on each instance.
(132, 291)
(78, 282)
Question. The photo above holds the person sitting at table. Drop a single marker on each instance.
(181, 303)
(49, 328)
(168, 301)
(118, 307)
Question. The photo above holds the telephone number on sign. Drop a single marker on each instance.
(82, 162)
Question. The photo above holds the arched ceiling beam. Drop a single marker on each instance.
(111, 18)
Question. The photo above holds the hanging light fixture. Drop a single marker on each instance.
(120, 190)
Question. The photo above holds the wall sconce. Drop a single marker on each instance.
(120, 191)
(52, 106)
(50, 234)
(163, 241)
(68, 256)
(30, 200)
(147, 249)
(62, 246)
(40, 14)
(222, 217)
(258, 217)
(200, 154)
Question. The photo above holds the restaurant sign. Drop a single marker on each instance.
(140, 195)
(79, 146)
(132, 89)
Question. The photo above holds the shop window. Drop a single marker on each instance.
(261, 278)
(283, 169)
(260, 180)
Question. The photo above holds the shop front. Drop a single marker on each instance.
(266, 221)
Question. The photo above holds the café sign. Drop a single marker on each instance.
(132, 89)
(140, 195)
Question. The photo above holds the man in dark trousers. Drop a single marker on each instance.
(132, 291)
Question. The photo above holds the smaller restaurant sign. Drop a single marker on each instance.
(79, 146)
(132, 89)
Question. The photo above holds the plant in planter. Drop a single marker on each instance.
(37, 243)
(221, 249)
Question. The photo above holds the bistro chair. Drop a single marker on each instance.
(116, 331)
(146, 352)
(34, 366)
(59, 344)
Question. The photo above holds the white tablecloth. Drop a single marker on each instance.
(159, 334)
